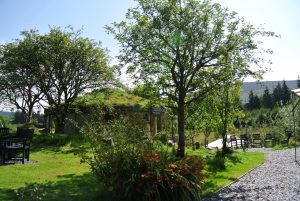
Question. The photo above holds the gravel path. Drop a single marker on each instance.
(277, 179)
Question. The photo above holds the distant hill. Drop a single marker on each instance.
(6, 114)
(259, 87)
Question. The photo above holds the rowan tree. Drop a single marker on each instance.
(184, 47)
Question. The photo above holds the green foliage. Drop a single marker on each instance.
(18, 79)
(285, 94)
(253, 101)
(32, 192)
(260, 117)
(216, 163)
(283, 147)
(284, 123)
(19, 118)
(281, 96)
(62, 177)
(112, 98)
(146, 91)
(4, 122)
(277, 94)
(236, 165)
(137, 168)
(267, 101)
(201, 116)
(227, 108)
(51, 140)
(148, 173)
(60, 65)
(187, 48)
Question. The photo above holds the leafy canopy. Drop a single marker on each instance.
(187, 48)
(186, 44)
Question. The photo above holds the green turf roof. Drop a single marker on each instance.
(114, 98)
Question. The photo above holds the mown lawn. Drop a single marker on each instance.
(60, 174)
(236, 165)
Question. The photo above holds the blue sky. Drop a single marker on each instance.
(281, 16)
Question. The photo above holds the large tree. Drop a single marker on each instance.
(18, 82)
(62, 64)
(69, 64)
(184, 46)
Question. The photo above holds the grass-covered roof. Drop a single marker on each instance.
(114, 98)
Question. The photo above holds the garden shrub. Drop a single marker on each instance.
(148, 173)
(216, 163)
(32, 192)
(4, 121)
(139, 168)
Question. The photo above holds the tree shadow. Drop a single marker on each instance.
(68, 187)
(218, 161)
(57, 143)
(7, 194)
(72, 187)
(234, 159)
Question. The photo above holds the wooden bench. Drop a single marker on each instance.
(256, 140)
(4, 132)
(269, 138)
(234, 142)
(19, 144)
(244, 141)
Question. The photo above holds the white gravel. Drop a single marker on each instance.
(277, 179)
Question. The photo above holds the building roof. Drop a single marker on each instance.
(118, 99)
(296, 92)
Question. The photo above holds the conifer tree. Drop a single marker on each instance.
(250, 103)
(277, 94)
(256, 104)
(267, 99)
(253, 101)
(285, 93)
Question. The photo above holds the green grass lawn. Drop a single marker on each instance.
(59, 172)
(236, 165)
(56, 170)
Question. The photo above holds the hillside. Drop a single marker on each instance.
(259, 87)
(6, 114)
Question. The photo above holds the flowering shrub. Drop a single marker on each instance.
(139, 168)
(149, 173)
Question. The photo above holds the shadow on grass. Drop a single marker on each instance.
(69, 187)
(72, 187)
(7, 194)
(56, 143)
(218, 161)
(233, 159)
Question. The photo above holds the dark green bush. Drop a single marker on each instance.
(148, 173)
(216, 163)
(137, 168)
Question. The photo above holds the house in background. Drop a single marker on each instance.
(134, 109)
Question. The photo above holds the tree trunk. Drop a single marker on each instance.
(29, 118)
(224, 149)
(29, 115)
(60, 123)
(181, 122)
(289, 135)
